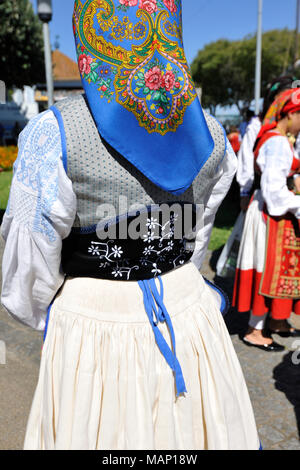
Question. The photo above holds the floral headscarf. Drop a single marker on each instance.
(139, 87)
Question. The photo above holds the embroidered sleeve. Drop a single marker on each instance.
(219, 188)
(275, 161)
(40, 214)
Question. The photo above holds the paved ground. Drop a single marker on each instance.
(273, 381)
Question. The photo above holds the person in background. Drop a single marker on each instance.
(245, 174)
(234, 138)
(267, 278)
(248, 115)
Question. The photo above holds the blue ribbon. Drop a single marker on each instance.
(47, 321)
(154, 304)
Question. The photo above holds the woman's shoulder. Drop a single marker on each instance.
(276, 143)
(41, 135)
(276, 151)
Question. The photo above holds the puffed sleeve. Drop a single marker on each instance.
(219, 188)
(40, 214)
(245, 171)
(275, 160)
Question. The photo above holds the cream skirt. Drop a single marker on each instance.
(253, 242)
(104, 384)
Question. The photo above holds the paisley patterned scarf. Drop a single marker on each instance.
(139, 87)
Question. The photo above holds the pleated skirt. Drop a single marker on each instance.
(251, 260)
(104, 384)
(253, 242)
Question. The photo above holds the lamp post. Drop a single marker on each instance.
(45, 15)
(258, 57)
(296, 56)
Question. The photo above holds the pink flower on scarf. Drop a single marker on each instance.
(129, 3)
(153, 78)
(149, 5)
(170, 4)
(168, 81)
(84, 62)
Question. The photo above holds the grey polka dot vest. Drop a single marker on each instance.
(100, 175)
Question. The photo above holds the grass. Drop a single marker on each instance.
(5, 182)
(226, 218)
(219, 237)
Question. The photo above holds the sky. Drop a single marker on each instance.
(204, 21)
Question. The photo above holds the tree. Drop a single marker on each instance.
(206, 71)
(226, 69)
(21, 44)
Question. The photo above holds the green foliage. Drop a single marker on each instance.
(226, 69)
(219, 238)
(5, 184)
(21, 44)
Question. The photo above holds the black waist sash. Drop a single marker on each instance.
(134, 247)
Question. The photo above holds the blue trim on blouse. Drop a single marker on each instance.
(60, 121)
(47, 321)
(225, 304)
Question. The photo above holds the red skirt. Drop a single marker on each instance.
(268, 270)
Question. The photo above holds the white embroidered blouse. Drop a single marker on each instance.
(245, 171)
(41, 213)
(275, 160)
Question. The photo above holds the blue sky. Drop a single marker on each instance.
(204, 21)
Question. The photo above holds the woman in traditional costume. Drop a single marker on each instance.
(245, 173)
(112, 375)
(268, 269)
